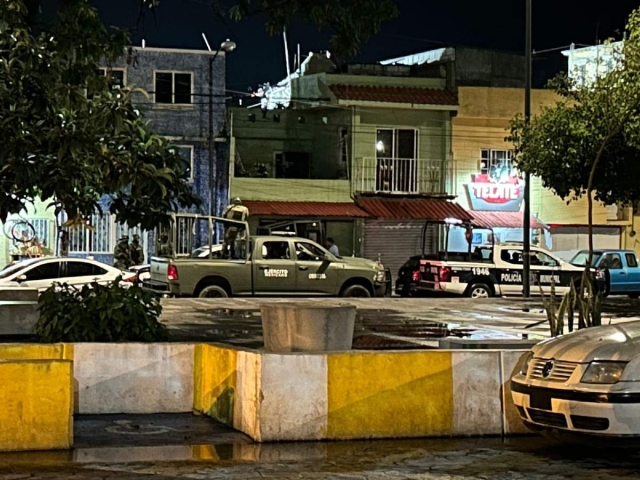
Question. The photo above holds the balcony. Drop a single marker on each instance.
(399, 176)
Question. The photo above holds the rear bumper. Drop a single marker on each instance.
(614, 414)
(156, 287)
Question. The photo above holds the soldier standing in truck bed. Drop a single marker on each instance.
(238, 212)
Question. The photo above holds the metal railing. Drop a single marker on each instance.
(402, 176)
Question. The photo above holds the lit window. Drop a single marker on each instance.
(186, 152)
(498, 164)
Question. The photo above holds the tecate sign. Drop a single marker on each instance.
(485, 193)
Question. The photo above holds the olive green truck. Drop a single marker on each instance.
(274, 265)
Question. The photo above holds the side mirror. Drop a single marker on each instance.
(21, 278)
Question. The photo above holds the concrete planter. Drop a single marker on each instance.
(18, 311)
(307, 327)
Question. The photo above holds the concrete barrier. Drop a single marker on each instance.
(18, 311)
(133, 377)
(357, 395)
(36, 405)
(307, 327)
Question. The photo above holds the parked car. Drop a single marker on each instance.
(41, 273)
(143, 272)
(587, 381)
(491, 270)
(623, 268)
(275, 265)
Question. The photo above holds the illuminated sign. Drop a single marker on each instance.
(488, 193)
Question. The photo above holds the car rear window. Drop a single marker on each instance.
(632, 261)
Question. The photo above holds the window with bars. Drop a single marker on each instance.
(498, 164)
(97, 239)
(115, 77)
(173, 87)
(42, 227)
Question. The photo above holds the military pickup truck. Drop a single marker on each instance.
(274, 265)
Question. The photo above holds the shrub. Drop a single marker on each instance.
(99, 313)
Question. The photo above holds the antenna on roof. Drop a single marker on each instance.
(144, 43)
(204, 37)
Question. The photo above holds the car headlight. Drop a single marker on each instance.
(380, 276)
(603, 372)
(525, 364)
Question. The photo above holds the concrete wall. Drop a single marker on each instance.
(358, 394)
(122, 377)
(36, 400)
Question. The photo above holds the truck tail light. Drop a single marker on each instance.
(444, 274)
(415, 275)
(172, 273)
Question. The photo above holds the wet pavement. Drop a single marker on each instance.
(382, 323)
(432, 459)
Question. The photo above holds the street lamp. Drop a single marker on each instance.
(526, 263)
(227, 46)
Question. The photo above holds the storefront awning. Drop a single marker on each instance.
(304, 209)
(504, 220)
(413, 209)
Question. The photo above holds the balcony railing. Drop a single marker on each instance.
(402, 176)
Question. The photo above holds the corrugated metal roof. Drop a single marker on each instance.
(304, 209)
(411, 95)
(413, 209)
(504, 220)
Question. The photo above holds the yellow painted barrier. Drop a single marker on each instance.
(389, 395)
(36, 405)
(27, 351)
(215, 382)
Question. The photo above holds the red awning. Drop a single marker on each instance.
(413, 209)
(387, 94)
(304, 209)
(504, 220)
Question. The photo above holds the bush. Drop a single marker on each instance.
(99, 313)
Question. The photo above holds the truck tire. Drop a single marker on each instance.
(479, 290)
(356, 291)
(213, 291)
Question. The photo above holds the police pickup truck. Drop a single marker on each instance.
(488, 271)
(266, 265)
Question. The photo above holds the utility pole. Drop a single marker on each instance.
(526, 268)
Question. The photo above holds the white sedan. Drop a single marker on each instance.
(584, 382)
(41, 273)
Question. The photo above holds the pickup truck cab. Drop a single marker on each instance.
(274, 265)
(623, 268)
(488, 271)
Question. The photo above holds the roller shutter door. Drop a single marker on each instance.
(396, 241)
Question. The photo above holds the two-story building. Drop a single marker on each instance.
(185, 102)
(362, 155)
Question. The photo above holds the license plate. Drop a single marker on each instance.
(540, 399)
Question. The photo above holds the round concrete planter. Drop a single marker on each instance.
(307, 327)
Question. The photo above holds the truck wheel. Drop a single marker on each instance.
(356, 291)
(213, 291)
(479, 290)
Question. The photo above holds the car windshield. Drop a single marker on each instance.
(581, 259)
(12, 269)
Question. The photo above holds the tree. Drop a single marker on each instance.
(60, 143)
(588, 143)
(352, 22)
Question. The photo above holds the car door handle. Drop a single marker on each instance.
(303, 268)
(623, 273)
(264, 267)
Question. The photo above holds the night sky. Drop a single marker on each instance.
(422, 25)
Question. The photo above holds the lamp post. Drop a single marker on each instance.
(526, 266)
(227, 46)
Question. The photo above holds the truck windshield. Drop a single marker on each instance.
(581, 259)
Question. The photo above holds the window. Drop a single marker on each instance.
(83, 269)
(173, 88)
(581, 258)
(308, 252)
(276, 251)
(632, 261)
(293, 165)
(612, 261)
(46, 271)
(498, 164)
(98, 239)
(511, 256)
(186, 152)
(42, 227)
(543, 260)
(344, 144)
(115, 77)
